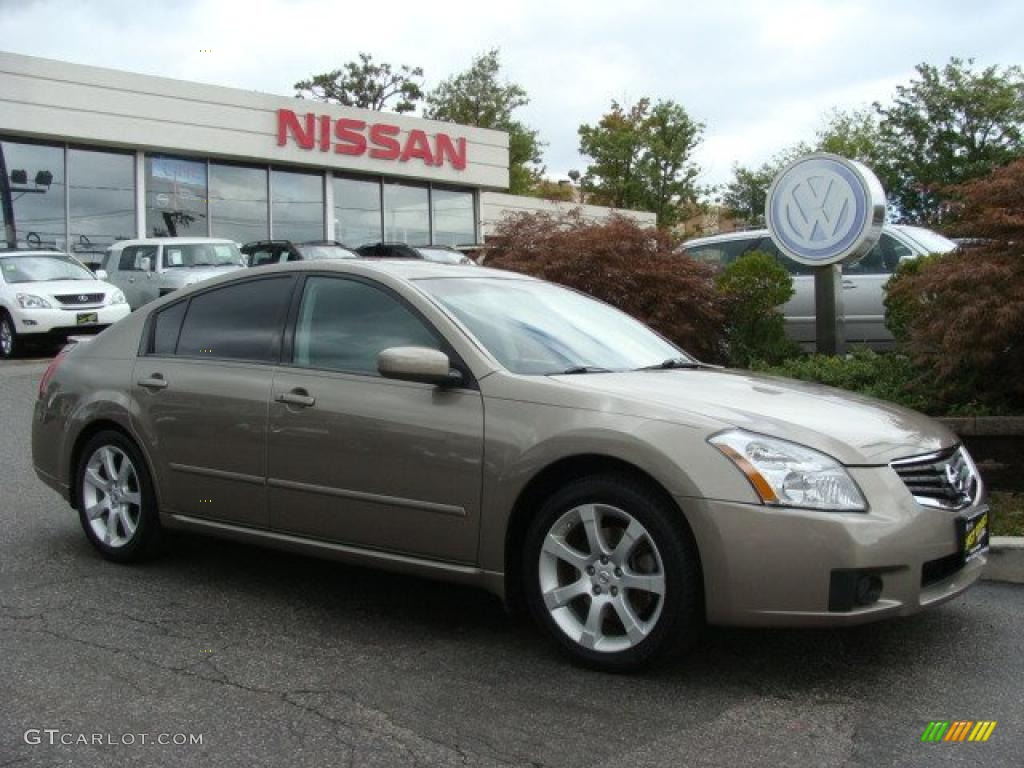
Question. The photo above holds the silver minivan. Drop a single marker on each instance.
(863, 282)
(149, 268)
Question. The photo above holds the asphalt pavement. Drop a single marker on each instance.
(272, 659)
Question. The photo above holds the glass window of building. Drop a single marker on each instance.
(238, 203)
(454, 217)
(406, 214)
(102, 201)
(175, 197)
(298, 206)
(357, 217)
(32, 211)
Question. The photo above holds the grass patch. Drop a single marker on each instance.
(1007, 513)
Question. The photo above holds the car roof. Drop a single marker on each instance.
(30, 252)
(749, 234)
(405, 269)
(172, 241)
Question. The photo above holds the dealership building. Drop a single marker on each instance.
(90, 156)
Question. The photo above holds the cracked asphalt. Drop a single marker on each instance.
(283, 661)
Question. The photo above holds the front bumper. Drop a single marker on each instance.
(766, 566)
(55, 324)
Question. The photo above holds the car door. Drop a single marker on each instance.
(864, 292)
(363, 460)
(200, 393)
(799, 310)
(134, 272)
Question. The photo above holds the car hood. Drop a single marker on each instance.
(852, 428)
(187, 275)
(52, 288)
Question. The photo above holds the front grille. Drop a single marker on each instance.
(80, 298)
(947, 480)
(941, 568)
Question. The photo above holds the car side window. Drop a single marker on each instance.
(880, 260)
(132, 259)
(166, 327)
(722, 253)
(241, 321)
(343, 325)
(767, 245)
(262, 256)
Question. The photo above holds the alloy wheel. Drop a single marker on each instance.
(602, 578)
(6, 338)
(112, 496)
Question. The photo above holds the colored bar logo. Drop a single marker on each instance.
(958, 730)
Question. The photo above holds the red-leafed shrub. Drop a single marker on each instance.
(962, 315)
(628, 266)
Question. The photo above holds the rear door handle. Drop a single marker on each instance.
(296, 397)
(156, 381)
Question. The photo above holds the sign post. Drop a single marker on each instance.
(825, 211)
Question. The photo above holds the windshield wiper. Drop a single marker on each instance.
(586, 369)
(672, 362)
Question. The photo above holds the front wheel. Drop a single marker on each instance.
(10, 344)
(612, 573)
(116, 503)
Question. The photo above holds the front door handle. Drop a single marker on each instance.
(131, 279)
(298, 397)
(848, 284)
(156, 381)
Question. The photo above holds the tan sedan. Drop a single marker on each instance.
(486, 428)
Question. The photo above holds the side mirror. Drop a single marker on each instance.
(422, 364)
(101, 274)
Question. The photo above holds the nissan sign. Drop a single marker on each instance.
(824, 209)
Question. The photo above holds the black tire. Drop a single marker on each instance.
(15, 348)
(144, 541)
(674, 627)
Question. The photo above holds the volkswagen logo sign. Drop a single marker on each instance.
(824, 209)
(83, 299)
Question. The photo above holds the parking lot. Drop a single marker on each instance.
(279, 660)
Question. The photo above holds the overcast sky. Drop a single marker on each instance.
(759, 74)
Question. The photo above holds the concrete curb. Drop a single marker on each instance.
(1005, 560)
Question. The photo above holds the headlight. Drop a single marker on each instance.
(790, 475)
(115, 297)
(31, 301)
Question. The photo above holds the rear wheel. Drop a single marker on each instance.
(116, 503)
(612, 573)
(10, 344)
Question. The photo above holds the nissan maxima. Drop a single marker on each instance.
(487, 428)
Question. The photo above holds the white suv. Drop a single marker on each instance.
(46, 296)
(863, 282)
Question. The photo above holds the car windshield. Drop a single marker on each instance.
(39, 268)
(932, 242)
(537, 328)
(324, 252)
(442, 256)
(202, 255)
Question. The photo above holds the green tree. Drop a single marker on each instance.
(642, 158)
(853, 134)
(367, 85)
(946, 127)
(752, 289)
(478, 96)
(745, 195)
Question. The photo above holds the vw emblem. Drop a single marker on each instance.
(83, 299)
(823, 209)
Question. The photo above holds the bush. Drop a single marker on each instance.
(961, 315)
(890, 376)
(623, 264)
(752, 288)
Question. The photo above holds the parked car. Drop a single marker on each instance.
(493, 429)
(265, 252)
(863, 282)
(153, 267)
(439, 254)
(45, 296)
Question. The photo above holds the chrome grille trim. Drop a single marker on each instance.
(945, 480)
(76, 298)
